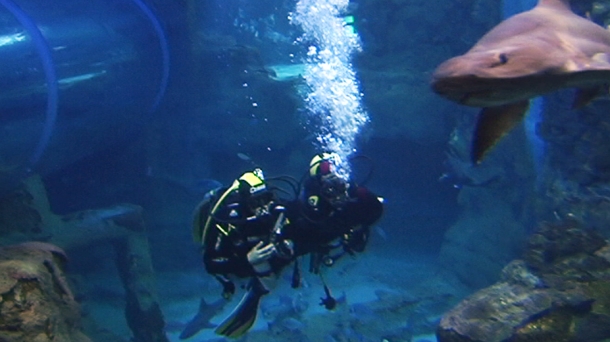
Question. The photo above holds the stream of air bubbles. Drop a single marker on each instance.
(332, 94)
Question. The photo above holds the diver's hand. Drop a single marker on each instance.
(258, 257)
(259, 253)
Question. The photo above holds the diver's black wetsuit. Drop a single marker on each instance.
(315, 224)
(311, 228)
(232, 234)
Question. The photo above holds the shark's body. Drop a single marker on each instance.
(533, 53)
(202, 318)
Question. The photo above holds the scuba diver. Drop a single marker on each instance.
(240, 230)
(249, 230)
(334, 215)
(233, 225)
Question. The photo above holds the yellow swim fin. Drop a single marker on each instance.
(243, 316)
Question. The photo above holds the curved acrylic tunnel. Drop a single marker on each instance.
(76, 77)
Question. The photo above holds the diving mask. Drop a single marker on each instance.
(334, 190)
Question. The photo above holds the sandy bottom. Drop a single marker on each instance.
(381, 298)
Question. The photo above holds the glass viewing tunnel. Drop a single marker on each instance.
(76, 77)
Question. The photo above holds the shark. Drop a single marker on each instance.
(202, 318)
(533, 53)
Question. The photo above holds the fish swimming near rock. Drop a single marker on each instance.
(532, 53)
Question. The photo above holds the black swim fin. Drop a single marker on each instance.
(243, 316)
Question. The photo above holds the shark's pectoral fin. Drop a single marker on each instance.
(584, 96)
(493, 124)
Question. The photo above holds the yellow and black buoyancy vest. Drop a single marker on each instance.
(250, 184)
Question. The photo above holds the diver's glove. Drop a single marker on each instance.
(259, 256)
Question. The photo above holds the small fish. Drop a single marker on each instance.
(444, 176)
(285, 72)
(329, 302)
(244, 157)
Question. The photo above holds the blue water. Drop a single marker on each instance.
(510, 8)
(531, 122)
(163, 101)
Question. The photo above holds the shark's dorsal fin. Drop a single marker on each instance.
(557, 4)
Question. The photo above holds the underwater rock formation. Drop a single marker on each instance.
(576, 173)
(121, 226)
(36, 303)
(480, 243)
(560, 291)
(495, 214)
(142, 310)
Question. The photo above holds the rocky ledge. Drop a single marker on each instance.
(559, 291)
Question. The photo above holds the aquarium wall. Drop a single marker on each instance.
(77, 77)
